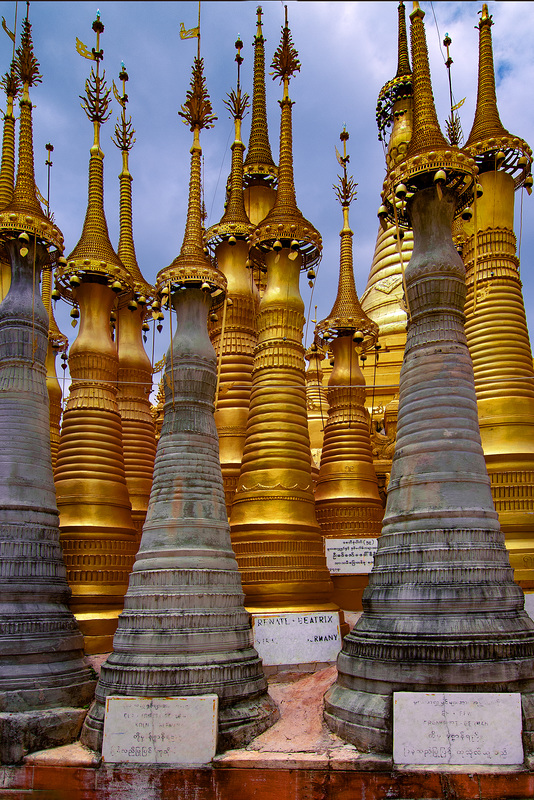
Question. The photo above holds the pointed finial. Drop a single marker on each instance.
(24, 212)
(234, 224)
(489, 142)
(347, 315)
(285, 60)
(192, 266)
(259, 164)
(400, 86)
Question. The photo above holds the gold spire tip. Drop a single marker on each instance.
(197, 109)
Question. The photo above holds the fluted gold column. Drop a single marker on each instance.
(97, 532)
(135, 369)
(346, 497)
(233, 331)
(496, 327)
(316, 400)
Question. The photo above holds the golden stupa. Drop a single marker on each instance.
(496, 327)
(97, 532)
(275, 533)
(57, 343)
(383, 298)
(135, 369)
(347, 501)
(234, 332)
(316, 397)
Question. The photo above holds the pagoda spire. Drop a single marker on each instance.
(94, 506)
(347, 501)
(285, 225)
(403, 63)
(487, 123)
(234, 333)
(11, 85)
(426, 135)
(94, 244)
(135, 370)
(44, 680)
(185, 569)
(259, 162)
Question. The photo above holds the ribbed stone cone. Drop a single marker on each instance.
(441, 612)
(44, 679)
(184, 630)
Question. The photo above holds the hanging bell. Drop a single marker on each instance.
(521, 162)
(141, 300)
(311, 274)
(529, 180)
(277, 245)
(440, 176)
(145, 326)
(24, 236)
(74, 281)
(116, 287)
(294, 245)
(214, 317)
(156, 305)
(55, 295)
(479, 190)
(232, 240)
(401, 191)
(132, 305)
(206, 287)
(467, 213)
(74, 312)
(500, 156)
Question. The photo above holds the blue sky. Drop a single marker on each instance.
(347, 52)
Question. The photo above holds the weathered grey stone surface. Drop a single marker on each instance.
(28, 731)
(184, 629)
(41, 657)
(441, 612)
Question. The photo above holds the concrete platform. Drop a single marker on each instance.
(297, 759)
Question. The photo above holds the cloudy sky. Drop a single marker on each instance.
(347, 51)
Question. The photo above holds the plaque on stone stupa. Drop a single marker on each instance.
(297, 638)
(350, 556)
(160, 730)
(457, 728)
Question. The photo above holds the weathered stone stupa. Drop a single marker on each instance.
(184, 629)
(346, 496)
(441, 612)
(234, 332)
(275, 533)
(44, 680)
(97, 532)
(496, 326)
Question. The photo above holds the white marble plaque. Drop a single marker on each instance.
(457, 728)
(350, 556)
(160, 730)
(297, 638)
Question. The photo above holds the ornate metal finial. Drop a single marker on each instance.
(197, 109)
(237, 103)
(95, 102)
(347, 315)
(346, 189)
(27, 64)
(285, 60)
(124, 131)
(452, 124)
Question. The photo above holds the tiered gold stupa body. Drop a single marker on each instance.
(135, 369)
(316, 398)
(383, 298)
(11, 85)
(97, 531)
(234, 332)
(57, 342)
(275, 533)
(347, 501)
(496, 326)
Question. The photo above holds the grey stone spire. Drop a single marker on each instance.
(184, 629)
(441, 612)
